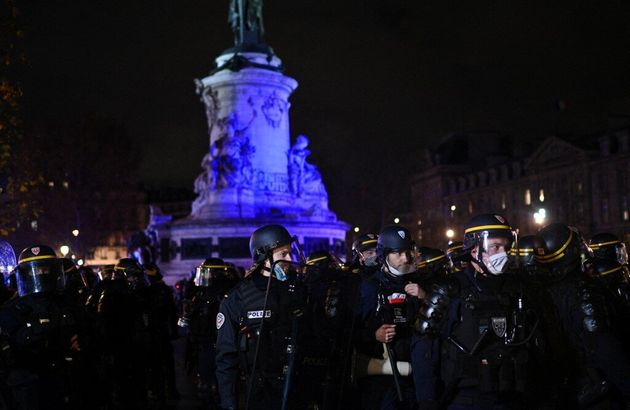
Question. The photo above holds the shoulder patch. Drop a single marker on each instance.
(220, 320)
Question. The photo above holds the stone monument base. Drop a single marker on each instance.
(186, 243)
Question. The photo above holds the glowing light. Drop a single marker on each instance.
(80, 262)
(356, 229)
(75, 232)
(540, 216)
(396, 220)
(541, 195)
(528, 197)
(450, 233)
(453, 207)
(64, 249)
(73, 257)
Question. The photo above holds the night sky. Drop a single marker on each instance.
(379, 80)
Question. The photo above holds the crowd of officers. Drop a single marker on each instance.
(71, 338)
(494, 322)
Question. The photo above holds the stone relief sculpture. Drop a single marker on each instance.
(210, 100)
(229, 162)
(304, 178)
(273, 108)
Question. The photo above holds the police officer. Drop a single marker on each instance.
(458, 259)
(525, 253)
(389, 300)
(257, 322)
(119, 323)
(364, 254)
(213, 280)
(607, 246)
(162, 328)
(432, 264)
(326, 334)
(615, 283)
(38, 333)
(483, 316)
(597, 366)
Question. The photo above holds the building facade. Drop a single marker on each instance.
(580, 181)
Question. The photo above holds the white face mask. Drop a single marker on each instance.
(496, 263)
(404, 270)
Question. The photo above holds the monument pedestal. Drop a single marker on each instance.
(251, 175)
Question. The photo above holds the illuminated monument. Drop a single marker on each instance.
(252, 174)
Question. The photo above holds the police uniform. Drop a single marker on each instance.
(213, 279)
(600, 365)
(238, 326)
(487, 322)
(384, 301)
(39, 336)
(257, 326)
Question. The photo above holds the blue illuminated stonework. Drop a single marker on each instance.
(252, 174)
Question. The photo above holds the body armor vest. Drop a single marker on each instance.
(204, 307)
(398, 308)
(488, 347)
(275, 337)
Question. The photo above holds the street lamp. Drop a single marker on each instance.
(75, 232)
(396, 220)
(64, 249)
(356, 229)
(450, 233)
(453, 207)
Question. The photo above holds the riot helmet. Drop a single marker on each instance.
(71, 273)
(431, 261)
(132, 272)
(608, 246)
(107, 272)
(214, 271)
(267, 238)
(526, 251)
(88, 277)
(153, 272)
(323, 259)
(488, 239)
(397, 250)
(38, 271)
(565, 250)
(457, 257)
(364, 250)
(608, 269)
(7, 258)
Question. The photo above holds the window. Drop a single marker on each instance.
(470, 207)
(503, 204)
(528, 197)
(541, 195)
(579, 187)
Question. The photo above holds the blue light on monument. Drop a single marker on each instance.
(252, 173)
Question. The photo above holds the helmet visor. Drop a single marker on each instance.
(622, 253)
(40, 276)
(205, 274)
